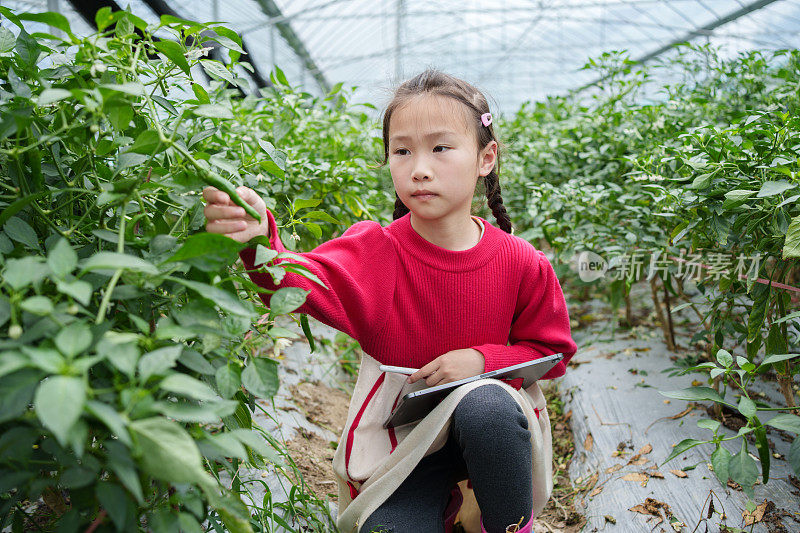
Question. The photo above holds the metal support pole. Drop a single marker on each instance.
(398, 40)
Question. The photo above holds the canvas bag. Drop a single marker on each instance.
(371, 462)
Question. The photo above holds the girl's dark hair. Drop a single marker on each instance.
(435, 82)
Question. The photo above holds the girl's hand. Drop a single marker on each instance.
(451, 366)
(229, 219)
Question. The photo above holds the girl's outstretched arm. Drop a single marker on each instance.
(541, 327)
(358, 268)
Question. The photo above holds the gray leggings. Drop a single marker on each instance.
(489, 443)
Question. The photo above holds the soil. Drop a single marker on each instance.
(313, 455)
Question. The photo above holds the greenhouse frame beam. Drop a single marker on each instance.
(698, 32)
(271, 10)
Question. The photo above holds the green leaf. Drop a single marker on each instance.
(794, 455)
(301, 203)
(260, 377)
(771, 188)
(777, 358)
(287, 299)
(257, 443)
(321, 215)
(62, 259)
(111, 418)
(791, 243)
(103, 18)
(124, 355)
(207, 413)
(747, 407)
(121, 463)
(681, 447)
(174, 53)
(114, 500)
(7, 40)
(720, 460)
(25, 271)
(694, 394)
(16, 390)
(263, 255)
(200, 93)
(73, 339)
(58, 403)
(315, 229)
(168, 453)
(38, 305)
(785, 422)
(22, 232)
(228, 43)
(224, 299)
(210, 252)
(277, 156)
(217, 70)
(724, 358)
(79, 290)
(743, 469)
(27, 48)
(280, 76)
(134, 88)
(148, 142)
(228, 380)
(158, 361)
(707, 423)
(51, 96)
(188, 386)
(213, 111)
(111, 261)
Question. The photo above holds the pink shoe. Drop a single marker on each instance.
(527, 528)
(453, 506)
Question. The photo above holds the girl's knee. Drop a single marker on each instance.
(489, 407)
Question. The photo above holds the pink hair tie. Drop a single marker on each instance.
(486, 118)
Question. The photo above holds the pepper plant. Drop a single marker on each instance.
(127, 380)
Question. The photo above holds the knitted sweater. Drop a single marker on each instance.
(407, 301)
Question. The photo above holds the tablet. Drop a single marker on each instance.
(416, 404)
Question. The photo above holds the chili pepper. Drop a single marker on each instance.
(224, 185)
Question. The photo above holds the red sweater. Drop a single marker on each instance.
(408, 301)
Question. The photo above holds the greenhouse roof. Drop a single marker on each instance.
(514, 50)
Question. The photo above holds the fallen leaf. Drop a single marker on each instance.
(612, 469)
(651, 507)
(656, 474)
(635, 476)
(667, 401)
(757, 515)
(647, 448)
(679, 473)
(610, 518)
(598, 490)
(636, 460)
(587, 444)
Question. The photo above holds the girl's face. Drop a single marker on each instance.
(431, 147)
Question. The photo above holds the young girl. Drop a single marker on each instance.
(442, 291)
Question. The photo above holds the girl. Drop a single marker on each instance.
(442, 291)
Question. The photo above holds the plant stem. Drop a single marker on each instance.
(101, 313)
